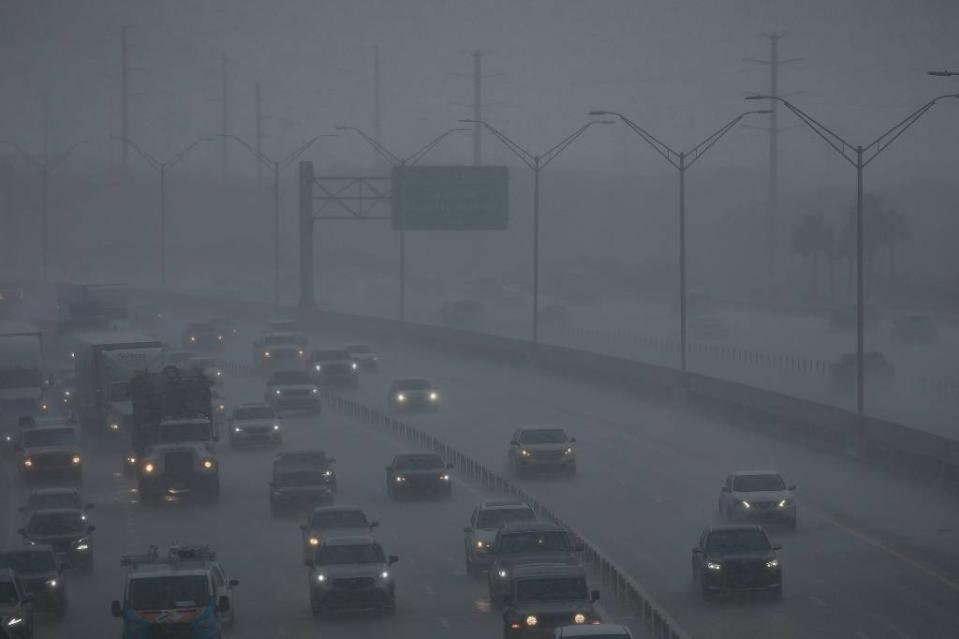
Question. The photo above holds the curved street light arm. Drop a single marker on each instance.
(60, 159)
(155, 164)
(658, 145)
(883, 141)
(182, 154)
(429, 146)
(388, 155)
(833, 139)
(292, 157)
(259, 155)
(29, 157)
(697, 151)
(527, 158)
(554, 152)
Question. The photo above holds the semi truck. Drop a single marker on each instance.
(21, 370)
(105, 364)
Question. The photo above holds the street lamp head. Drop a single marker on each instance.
(594, 114)
(346, 128)
(759, 112)
(602, 122)
(469, 121)
(942, 74)
(758, 96)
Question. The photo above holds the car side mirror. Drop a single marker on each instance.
(594, 595)
(309, 563)
(725, 489)
(777, 547)
(572, 440)
(115, 608)
(90, 529)
(223, 604)
(374, 524)
(234, 583)
(392, 559)
(793, 487)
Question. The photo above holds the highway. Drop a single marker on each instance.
(853, 569)
(435, 597)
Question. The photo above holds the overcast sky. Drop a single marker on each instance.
(676, 66)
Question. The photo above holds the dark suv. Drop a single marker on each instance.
(40, 573)
(333, 366)
(543, 597)
(529, 542)
(736, 558)
(303, 478)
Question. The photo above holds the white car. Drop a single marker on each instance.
(758, 496)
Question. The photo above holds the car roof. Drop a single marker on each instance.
(530, 526)
(503, 504)
(533, 570)
(594, 630)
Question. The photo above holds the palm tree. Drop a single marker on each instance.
(809, 240)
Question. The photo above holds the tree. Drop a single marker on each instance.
(809, 239)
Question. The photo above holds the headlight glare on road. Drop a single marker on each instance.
(579, 618)
(712, 565)
(532, 620)
(83, 545)
(772, 563)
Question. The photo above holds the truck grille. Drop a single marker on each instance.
(353, 583)
(52, 460)
(744, 573)
(336, 369)
(547, 455)
(170, 631)
(179, 463)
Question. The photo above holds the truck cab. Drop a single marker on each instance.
(50, 449)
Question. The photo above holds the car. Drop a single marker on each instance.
(758, 495)
(915, 330)
(333, 521)
(593, 631)
(333, 366)
(364, 355)
(734, 558)
(351, 573)
(202, 336)
(16, 607)
(527, 542)
(707, 327)
(543, 597)
(50, 449)
(485, 520)
(302, 478)
(40, 574)
(55, 498)
(179, 468)
(275, 349)
(292, 389)
(185, 593)
(462, 313)
(412, 392)
(412, 473)
(254, 424)
(877, 371)
(66, 530)
(542, 448)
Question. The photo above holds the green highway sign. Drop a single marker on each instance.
(450, 198)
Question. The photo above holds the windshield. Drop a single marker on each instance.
(56, 524)
(254, 412)
(164, 593)
(551, 541)
(289, 377)
(302, 478)
(49, 437)
(412, 384)
(8, 593)
(756, 483)
(21, 378)
(496, 517)
(28, 561)
(359, 349)
(544, 436)
(338, 519)
(198, 431)
(274, 340)
(726, 541)
(418, 462)
(551, 589)
(54, 500)
(330, 355)
(352, 554)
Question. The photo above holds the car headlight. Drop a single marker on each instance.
(318, 368)
(772, 563)
(66, 393)
(237, 429)
(219, 373)
(400, 397)
(52, 583)
(219, 337)
(524, 453)
(321, 578)
(266, 354)
(783, 503)
(445, 477)
(569, 451)
(13, 621)
(385, 574)
(44, 407)
(327, 473)
(148, 468)
(277, 391)
(502, 573)
(400, 479)
(434, 396)
(712, 565)
(354, 366)
(300, 353)
(208, 464)
(480, 544)
(314, 541)
(579, 618)
(192, 338)
(532, 620)
(114, 426)
(745, 504)
(82, 544)
(315, 390)
(28, 462)
(7, 438)
(131, 459)
(75, 459)
(276, 427)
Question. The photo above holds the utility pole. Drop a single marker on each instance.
(477, 107)
(259, 134)
(225, 116)
(772, 213)
(377, 113)
(124, 98)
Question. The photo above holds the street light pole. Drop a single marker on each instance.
(856, 155)
(681, 161)
(161, 169)
(395, 160)
(46, 166)
(276, 167)
(536, 163)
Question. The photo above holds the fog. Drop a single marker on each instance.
(765, 363)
